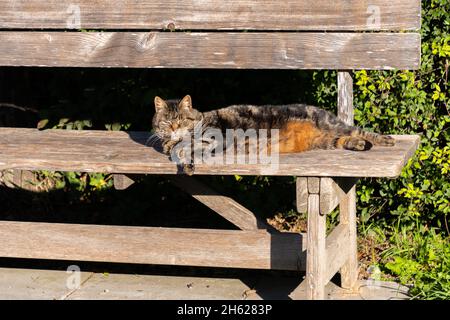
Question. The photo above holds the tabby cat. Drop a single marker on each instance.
(301, 127)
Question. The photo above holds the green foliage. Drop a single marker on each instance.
(407, 102)
(421, 260)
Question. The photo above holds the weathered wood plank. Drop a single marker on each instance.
(313, 185)
(347, 207)
(126, 152)
(337, 250)
(350, 269)
(222, 205)
(302, 194)
(249, 50)
(212, 14)
(332, 190)
(316, 251)
(329, 196)
(345, 97)
(168, 246)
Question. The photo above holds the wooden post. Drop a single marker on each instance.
(347, 208)
(316, 244)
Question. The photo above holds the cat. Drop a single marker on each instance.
(301, 127)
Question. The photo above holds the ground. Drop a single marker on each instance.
(20, 283)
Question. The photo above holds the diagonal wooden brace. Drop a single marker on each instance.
(228, 208)
(225, 206)
(327, 255)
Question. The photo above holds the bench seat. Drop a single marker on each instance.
(126, 152)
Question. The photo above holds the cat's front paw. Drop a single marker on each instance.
(188, 169)
(167, 148)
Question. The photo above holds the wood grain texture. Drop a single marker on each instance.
(213, 14)
(302, 194)
(347, 207)
(222, 205)
(350, 269)
(167, 246)
(126, 152)
(332, 190)
(249, 50)
(316, 251)
(313, 185)
(345, 97)
(329, 195)
(337, 250)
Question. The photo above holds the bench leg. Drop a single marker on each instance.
(316, 250)
(349, 271)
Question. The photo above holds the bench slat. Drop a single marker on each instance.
(122, 152)
(211, 50)
(212, 14)
(146, 245)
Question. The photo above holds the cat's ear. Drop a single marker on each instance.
(160, 104)
(185, 103)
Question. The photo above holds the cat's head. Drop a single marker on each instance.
(174, 119)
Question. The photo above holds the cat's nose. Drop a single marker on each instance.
(174, 126)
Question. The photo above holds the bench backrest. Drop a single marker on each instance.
(279, 34)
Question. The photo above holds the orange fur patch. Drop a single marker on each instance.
(298, 136)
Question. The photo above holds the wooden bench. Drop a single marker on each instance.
(288, 34)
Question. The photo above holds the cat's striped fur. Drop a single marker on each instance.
(301, 127)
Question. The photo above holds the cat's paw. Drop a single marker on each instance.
(167, 148)
(188, 169)
(357, 144)
(386, 141)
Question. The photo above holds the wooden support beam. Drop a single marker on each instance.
(337, 252)
(313, 185)
(166, 246)
(331, 190)
(345, 97)
(316, 250)
(349, 271)
(302, 194)
(222, 205)
(329, 196)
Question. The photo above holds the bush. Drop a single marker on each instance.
(418, 203)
